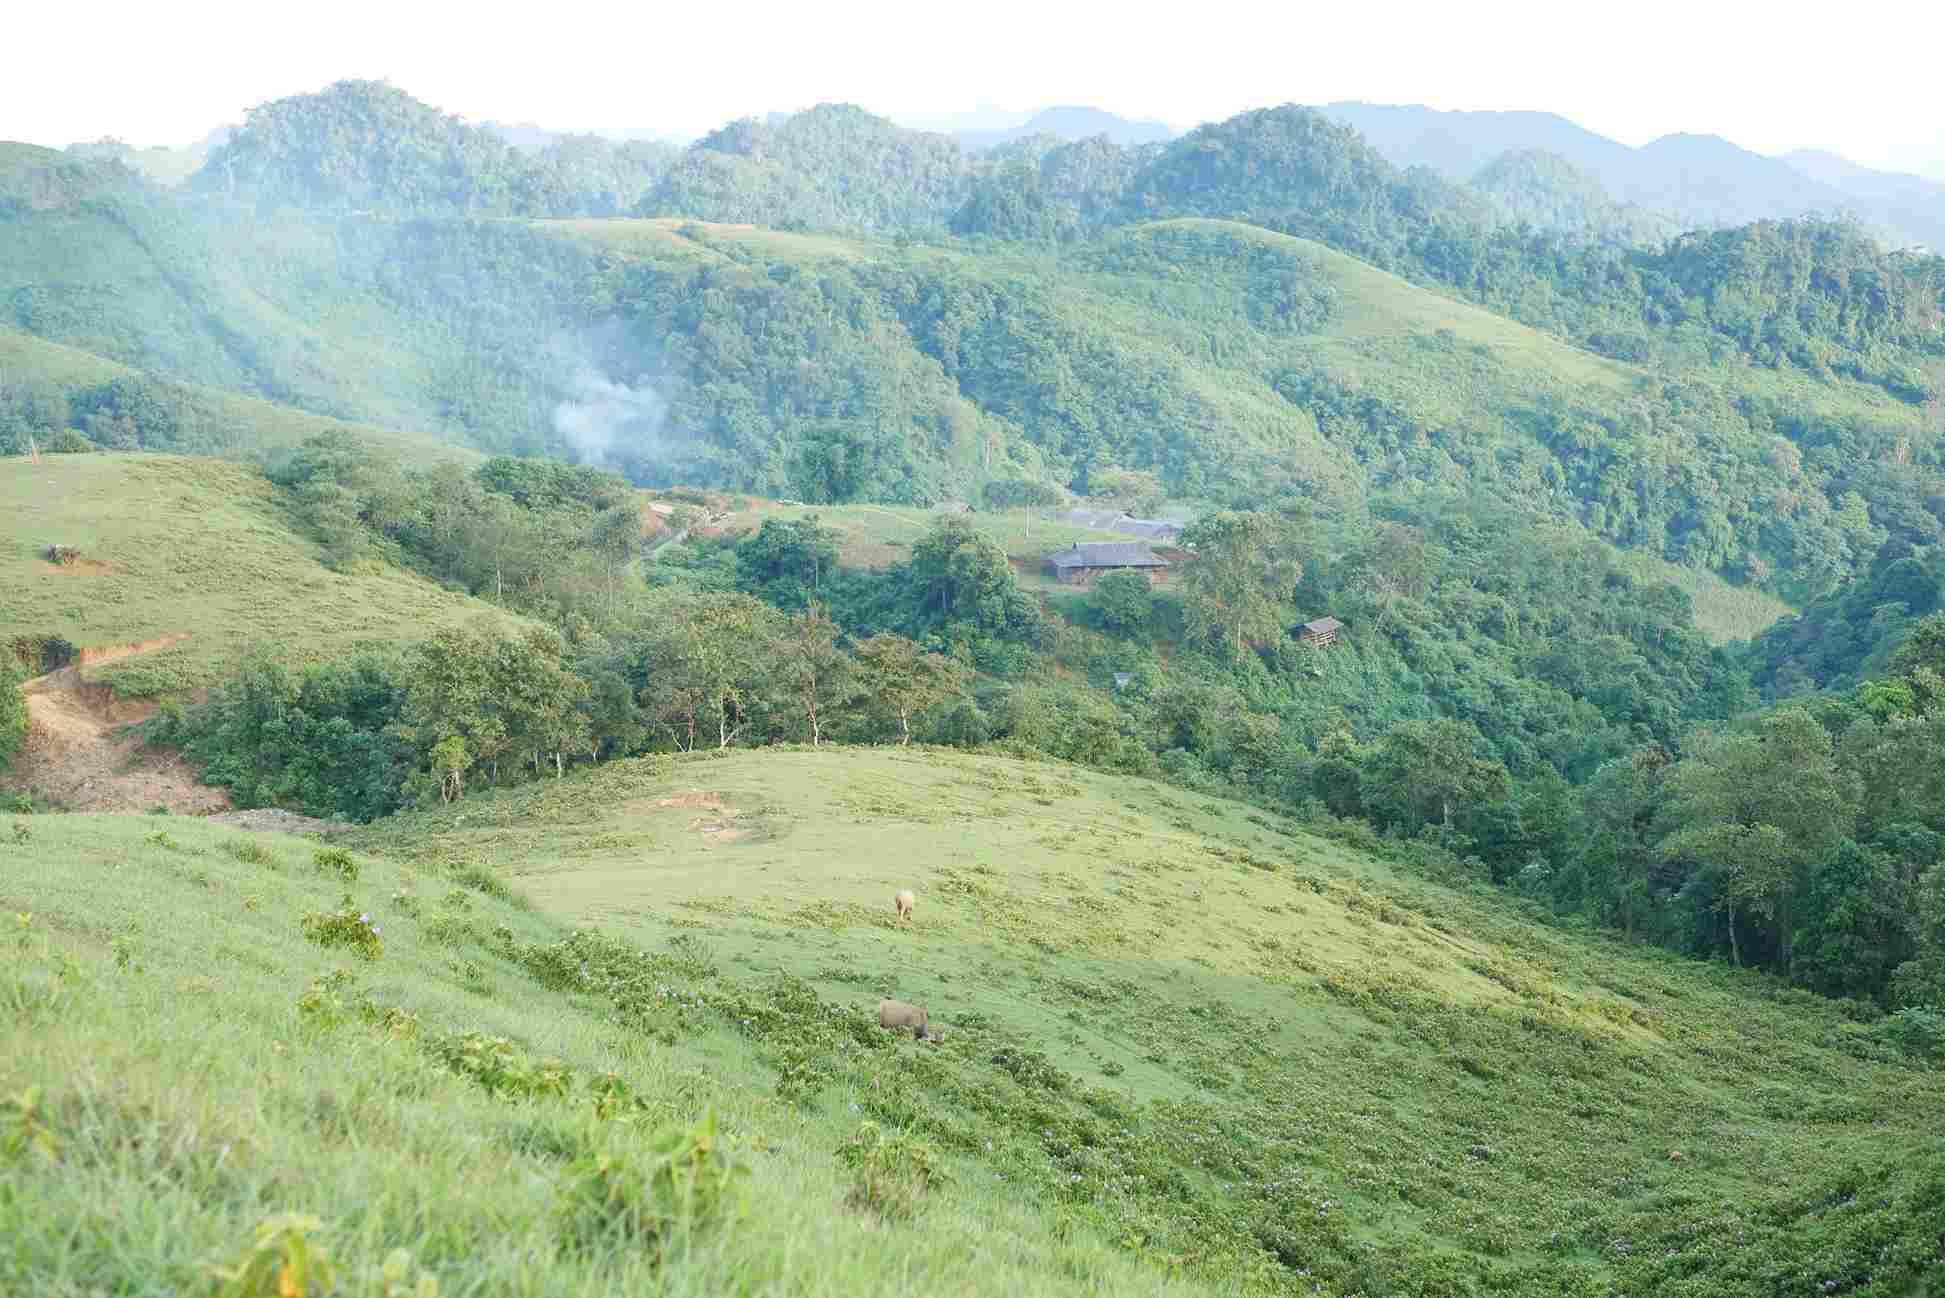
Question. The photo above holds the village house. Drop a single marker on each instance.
(1116, 520)
(1322, 633)
(1086, 560)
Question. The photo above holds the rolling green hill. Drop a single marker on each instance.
(197, 549)
(1777, 443)
(1188, 1049)
(208, 421)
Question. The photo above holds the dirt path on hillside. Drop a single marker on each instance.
(75, 759)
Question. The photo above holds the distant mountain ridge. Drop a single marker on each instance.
(1071, 123)
(1696, 179)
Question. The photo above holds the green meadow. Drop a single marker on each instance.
(1190, 1047)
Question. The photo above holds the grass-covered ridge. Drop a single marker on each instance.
(223, 423)
(1227, 1041)
(196, 549)
(1324, 1075)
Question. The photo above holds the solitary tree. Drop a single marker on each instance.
(818, 674)
(1237, 589)
(617, 538)
(903, 679)
(1754, 814)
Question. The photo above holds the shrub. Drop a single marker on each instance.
(336, 861)
(688, 1186)
(249, 851)
(345, 926)
(1918, 1030)
(893, 1173)
(322, 1005)
(479, 878)
(502, 1068)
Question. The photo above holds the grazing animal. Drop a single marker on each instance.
(904, 901)
(904, 1018)
(1677, 1156)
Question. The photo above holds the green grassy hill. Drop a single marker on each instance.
(1190, 1049)
(183, 547)
(230, 424)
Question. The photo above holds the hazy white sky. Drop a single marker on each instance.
(1862, 79)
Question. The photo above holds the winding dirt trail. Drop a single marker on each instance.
(75, 760)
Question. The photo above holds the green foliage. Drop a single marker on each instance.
(337, 862)
(346, 926)
(1234, 593)
(894, 1172)
(785, 563)
(904, 680)
(13, 709)
(1122, 602)
(834, 166)
(684, 1185)
(283, 1261)
(365, 146)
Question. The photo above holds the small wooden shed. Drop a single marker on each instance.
(1321, 633)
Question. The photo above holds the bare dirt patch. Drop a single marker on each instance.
(79, 757)
(719, 831)
(693, 798)
(80, 567)
(270, 820)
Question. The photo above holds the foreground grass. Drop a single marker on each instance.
(1190, 1049)
(175, 546)
(1229, 1045)
(166, 1092)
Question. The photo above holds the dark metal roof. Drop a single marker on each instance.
(1322, 625)
(1107, 554)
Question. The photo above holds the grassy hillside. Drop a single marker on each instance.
(174, 547)
(1189, 1049)
(236, 425)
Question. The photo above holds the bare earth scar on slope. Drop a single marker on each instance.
(76, 758)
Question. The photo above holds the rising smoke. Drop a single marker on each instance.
(611, 424)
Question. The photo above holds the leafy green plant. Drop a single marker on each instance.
(1917, 1030)
(250, 851)
(322, 1005)
(336, 861)
(684, 1184)
(501, 1067)
(283, 1261)
(894, 1173)
(345, 926)
(398, 1278)
(24, 1128)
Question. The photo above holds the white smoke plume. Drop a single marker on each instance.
(606, 422)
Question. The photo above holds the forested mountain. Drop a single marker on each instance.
(1912, 203)
(1544, 190)
(778, 460)
(1069, 123)
(365, 146)
(833, 167)
(1692, 179)
(1766, 418)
